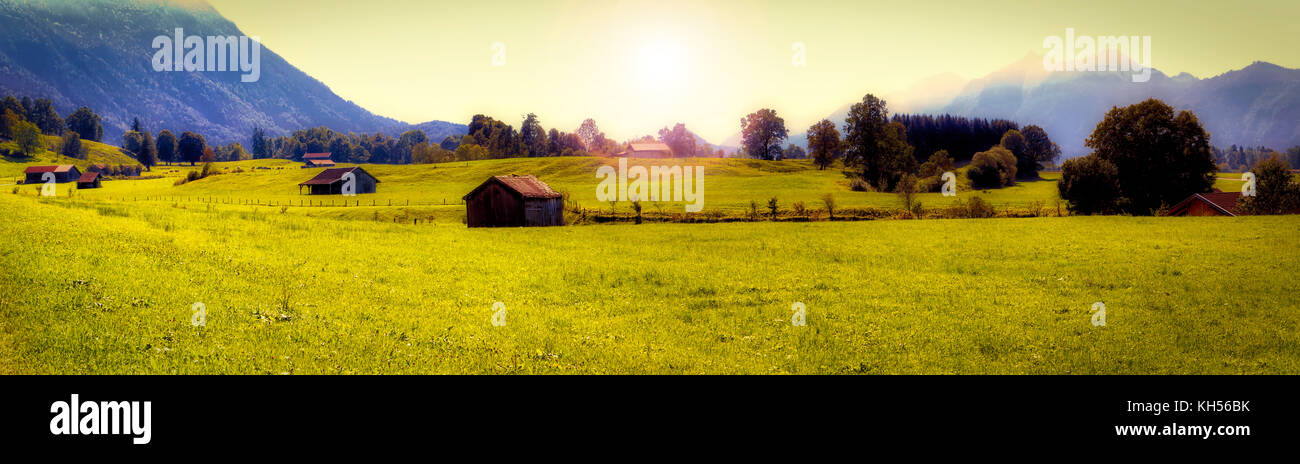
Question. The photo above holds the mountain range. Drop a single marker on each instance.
(97, 53)
(1258, 105)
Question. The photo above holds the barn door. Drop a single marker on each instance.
(532, 213)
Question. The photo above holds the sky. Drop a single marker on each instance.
(637, 66)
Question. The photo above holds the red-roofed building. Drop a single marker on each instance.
(513, 201)
(1207, 204)
(61, 173)
(317, 163)
(332, 181)
(89, 180)
(647, 150)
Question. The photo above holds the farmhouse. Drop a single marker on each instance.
(63, 173)
(647, 150)
(89, 180)
(1207, 204)
(331, 181)
(514, 201)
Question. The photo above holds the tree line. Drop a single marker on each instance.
(908, 151)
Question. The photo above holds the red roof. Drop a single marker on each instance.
(1223, 202)
(651, 146)
(527, 186)
(40, 169)
(332, 175)
(310, 156)
(89, 176)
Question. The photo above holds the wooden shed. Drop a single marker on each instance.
(514, 201)
(63, 173)
(1207, 204)
(646, 150)
(330, 182)
(317, 163)
(89, 180)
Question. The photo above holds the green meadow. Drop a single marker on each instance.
(106, 281)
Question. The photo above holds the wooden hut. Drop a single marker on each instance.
(63, 173)
(1207, 204)
(513, 201)
(89, 180)
(330, 182)
(646, 150)
(317, 163)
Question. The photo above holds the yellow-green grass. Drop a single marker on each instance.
(95, 286)
(11, 168)
(729, 186)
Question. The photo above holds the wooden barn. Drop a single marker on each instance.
(330, 182)
(317, 163)
(514, 201)
(647, 150)
(63, 173)
(1207, 204)
(89, 180)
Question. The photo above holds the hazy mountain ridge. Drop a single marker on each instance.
(97, 53)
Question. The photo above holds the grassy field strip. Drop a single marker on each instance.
(107, 287)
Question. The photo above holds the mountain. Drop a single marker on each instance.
(98, 53)
(1254, 106)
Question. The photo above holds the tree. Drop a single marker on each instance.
(208, 157)
(938, 164)
(8, 122)
(876, 147)
(533, 136)
(1276, 192)
(679, 139)
(471, 152)
(28, 137)
(762, 133)
(993, 168)
(86, 122)
(1090, 184)
(1041, 149)
(1014, 142)
(793, 152)
(12, 104)
(167, 147)
(1162, 157)
(191, 147)
(824, 144)
(405, 143)
(425, 153)
(148, 152)
(258, 143)
(131, 141)
(41, 113)
(135, 125)
(70, 146)
(588, 132)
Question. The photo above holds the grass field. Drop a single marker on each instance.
(103, 286)
(11, 168)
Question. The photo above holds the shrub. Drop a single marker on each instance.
(829, 201)
(859, 185)
(992, 169)
(771, 206)
(1090, 184)
(798, 208)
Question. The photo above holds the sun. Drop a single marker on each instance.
(660, 64)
